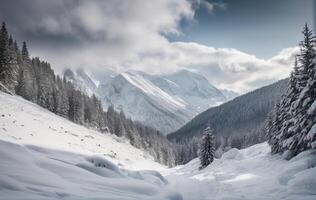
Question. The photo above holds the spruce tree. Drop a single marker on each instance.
(301, 122)
(27, 77)
(5, 69)
(207, 148)
(292, 136)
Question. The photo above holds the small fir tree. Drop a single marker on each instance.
(207, 148)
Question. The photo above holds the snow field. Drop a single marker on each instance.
(32, 172)
(44, 156)
(248, 174)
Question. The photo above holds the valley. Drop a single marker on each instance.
(81, 163)
(158, 100)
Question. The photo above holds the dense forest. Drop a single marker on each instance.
(36, 81)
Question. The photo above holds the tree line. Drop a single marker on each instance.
(36, 81)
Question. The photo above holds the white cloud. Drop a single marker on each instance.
(123, 35)
(226, 68)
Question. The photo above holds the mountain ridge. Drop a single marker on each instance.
(164, 102)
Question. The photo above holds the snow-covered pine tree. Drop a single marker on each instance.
(300, 122)
(98, 119)
(64, 107)
(26, 78)
(76, 106)
(12, 74)
(293, 113)
(6, 71)
(207, 148)
(273, 128)
(303, 121)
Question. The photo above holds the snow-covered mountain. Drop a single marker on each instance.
(164, 102)
(89, 82)
(193, 88)
(82, 81)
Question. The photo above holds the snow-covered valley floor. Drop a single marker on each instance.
(248, 174)
(43, 156)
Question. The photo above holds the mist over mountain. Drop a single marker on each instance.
(164, 102)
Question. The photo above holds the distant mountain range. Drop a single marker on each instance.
(165, 102)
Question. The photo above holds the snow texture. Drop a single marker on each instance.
(44, 156)
(32, 172)
(248, 174)
(23, 122)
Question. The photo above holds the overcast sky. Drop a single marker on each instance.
(238, 44)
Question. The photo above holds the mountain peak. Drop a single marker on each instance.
(164, 102)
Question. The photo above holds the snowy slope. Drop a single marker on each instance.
(44, 156)
(248, 174)
(23, 122)
(32, 172)
(162, 101)
(192, 88)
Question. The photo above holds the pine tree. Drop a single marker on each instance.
(21, 83)
(6, 71)
(27, 77)
(307, 55)
(300, 121)
(207, 148)
(25, 52)
(273, 128)
(293, 111)
(12, 74)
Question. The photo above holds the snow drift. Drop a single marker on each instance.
(32, 172)
(44, 156)
(248, 174)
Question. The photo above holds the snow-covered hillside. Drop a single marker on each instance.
(162, 101)
(44, 156)
(36, 173)
(26, 123)
(143, 101)
(248, 174)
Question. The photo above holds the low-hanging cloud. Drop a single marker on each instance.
(122, 35)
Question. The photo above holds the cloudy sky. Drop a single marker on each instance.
(238, 44)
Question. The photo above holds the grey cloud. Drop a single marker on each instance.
(121, 35)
